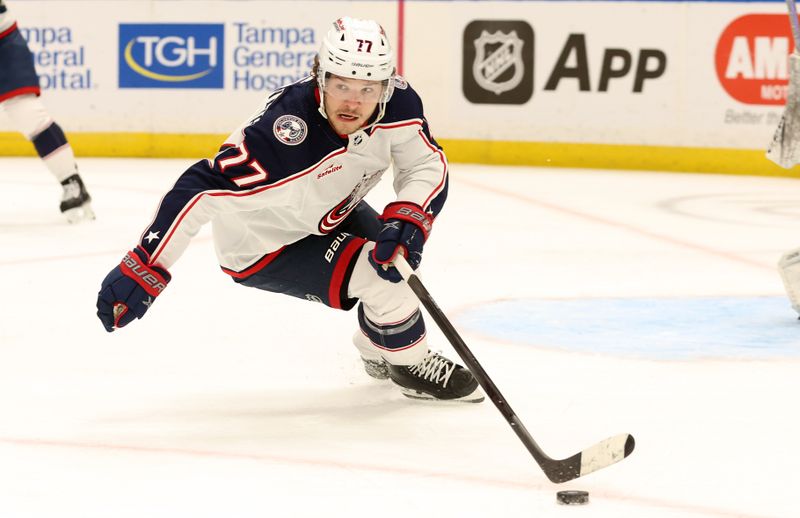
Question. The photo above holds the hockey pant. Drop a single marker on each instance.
(16, 62)
(334, 269)
(30, 117)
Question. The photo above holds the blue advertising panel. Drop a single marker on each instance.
(171, 55)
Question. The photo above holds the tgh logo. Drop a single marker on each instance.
(176, 55)
(498, 62)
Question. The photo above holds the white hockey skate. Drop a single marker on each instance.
(76, 204)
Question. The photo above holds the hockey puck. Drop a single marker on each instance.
(572, 497)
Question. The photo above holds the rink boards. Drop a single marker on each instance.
(696, 86)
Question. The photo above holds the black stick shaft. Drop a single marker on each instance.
(600, 455)
(560, 473)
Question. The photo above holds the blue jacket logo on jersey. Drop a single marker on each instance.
(290, 130)
(171, 55)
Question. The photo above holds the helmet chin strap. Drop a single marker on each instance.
(321, 90)
(321, 108)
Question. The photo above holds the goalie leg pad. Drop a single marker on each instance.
(789, 268)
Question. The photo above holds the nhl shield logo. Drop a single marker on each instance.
(489, 66)
(290, 130)
(497, 66)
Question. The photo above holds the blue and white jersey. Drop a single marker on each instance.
(286, 174)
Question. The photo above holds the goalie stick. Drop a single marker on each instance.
(601, 455)
(784, 149)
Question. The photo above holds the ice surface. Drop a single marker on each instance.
(227, 401)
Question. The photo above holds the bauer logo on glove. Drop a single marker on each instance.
(406, 227)
(129, 289)
(152, 283)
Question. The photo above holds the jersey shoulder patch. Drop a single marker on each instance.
(287, 113)
(290, 129)
(288, 137)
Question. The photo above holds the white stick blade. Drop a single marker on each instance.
(605, 453)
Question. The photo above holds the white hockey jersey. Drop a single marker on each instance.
(286, 174)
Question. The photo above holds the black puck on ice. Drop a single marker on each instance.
(572, 497)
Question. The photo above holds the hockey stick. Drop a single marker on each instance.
(602, 454)
(784, 149)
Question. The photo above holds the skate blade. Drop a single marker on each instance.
(475, 397)
(79, 214)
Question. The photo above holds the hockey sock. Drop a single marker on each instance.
(52, 146)
(400, 343)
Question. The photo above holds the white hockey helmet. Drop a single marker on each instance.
(357, 49)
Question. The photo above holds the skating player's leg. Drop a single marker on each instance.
(30, 117)
(334, 269)
(392, 335)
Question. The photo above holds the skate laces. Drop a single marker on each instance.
(435, 368)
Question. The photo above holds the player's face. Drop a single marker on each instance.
(349, 103)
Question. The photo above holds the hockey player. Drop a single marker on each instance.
(19, 99)
(284, 196)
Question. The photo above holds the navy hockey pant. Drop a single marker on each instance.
(317, 268)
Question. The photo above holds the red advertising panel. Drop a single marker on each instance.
(752, 58)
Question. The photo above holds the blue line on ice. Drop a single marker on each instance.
(652, 328)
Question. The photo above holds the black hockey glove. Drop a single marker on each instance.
(129, 289)
(405, 229)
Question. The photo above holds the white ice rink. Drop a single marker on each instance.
(600, 302)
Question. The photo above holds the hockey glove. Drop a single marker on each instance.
(129, 289)
(405, 229)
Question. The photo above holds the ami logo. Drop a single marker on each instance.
(171, 55)
(752, 58)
